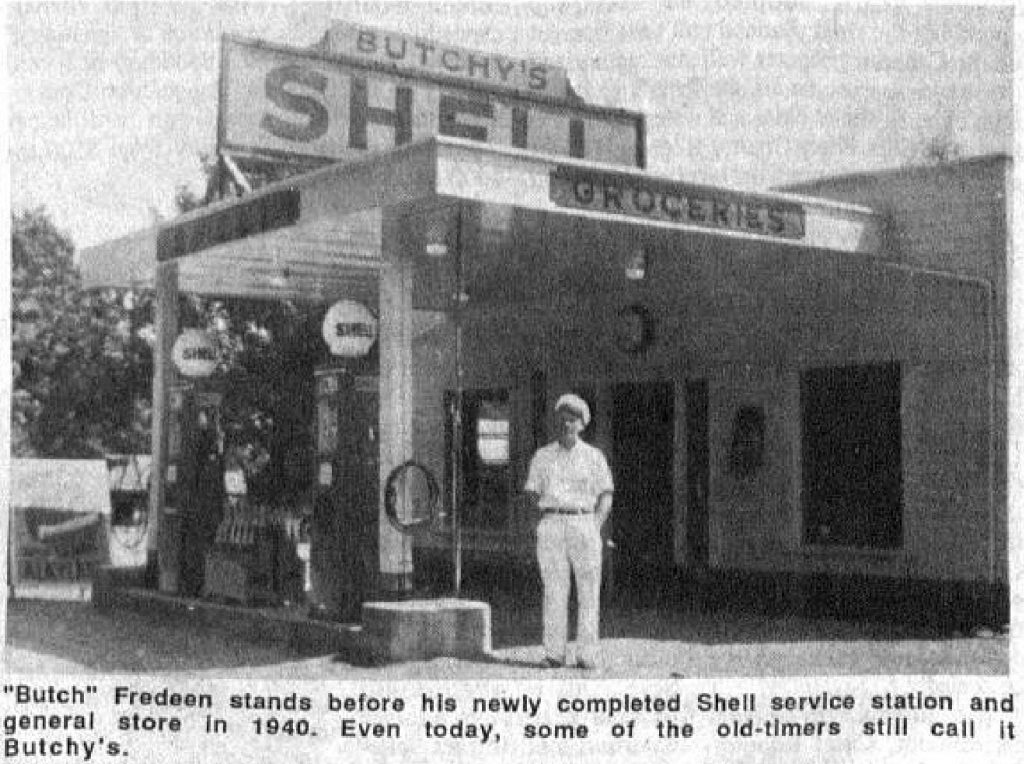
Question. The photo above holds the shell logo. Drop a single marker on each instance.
(349, 329)
(194, 353)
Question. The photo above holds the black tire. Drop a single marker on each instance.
(391, 498)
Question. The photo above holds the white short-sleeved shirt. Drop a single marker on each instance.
(569, 478)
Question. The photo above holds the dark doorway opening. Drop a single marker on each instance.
(642, 433)
(852, 469)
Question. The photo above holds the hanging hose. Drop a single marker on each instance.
(426, 520)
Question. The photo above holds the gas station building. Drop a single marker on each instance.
(804, 383)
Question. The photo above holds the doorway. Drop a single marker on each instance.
(642, 446)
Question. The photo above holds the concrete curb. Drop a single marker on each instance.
(422, 629)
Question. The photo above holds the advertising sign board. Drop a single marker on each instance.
(673, 202)
(194, 353)
(349, 329)
(287, 102)
(423, 56)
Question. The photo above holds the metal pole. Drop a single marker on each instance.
(457, 444)
(128, 303)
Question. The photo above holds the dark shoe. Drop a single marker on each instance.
(552, 663)
(586, 665)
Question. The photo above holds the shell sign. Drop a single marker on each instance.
(349, 329)
(194, 353)
(385, 90)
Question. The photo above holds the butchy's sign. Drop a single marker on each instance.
(438, 59)
(278, 101)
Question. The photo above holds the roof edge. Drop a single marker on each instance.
(910, 169)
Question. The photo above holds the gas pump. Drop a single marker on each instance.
(195, 481)
(344, 553)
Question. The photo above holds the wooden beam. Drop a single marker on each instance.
(162, 540)
(236, 175)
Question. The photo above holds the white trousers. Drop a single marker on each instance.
(570, 543)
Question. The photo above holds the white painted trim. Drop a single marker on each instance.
(437, 168)
(522, 179)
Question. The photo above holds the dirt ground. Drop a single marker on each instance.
(47, 636)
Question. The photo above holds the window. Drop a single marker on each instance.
(492, 429)
(852, 473)
(486, 456)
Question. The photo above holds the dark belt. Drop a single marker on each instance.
(567, 511)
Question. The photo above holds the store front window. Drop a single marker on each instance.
(486, 456)
(492, 430)
(852, 473)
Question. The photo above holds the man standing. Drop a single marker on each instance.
(571, 487)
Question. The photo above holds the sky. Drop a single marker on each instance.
(112, 104)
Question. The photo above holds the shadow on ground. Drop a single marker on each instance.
(682, 631)
(688, 613)
(123, 641)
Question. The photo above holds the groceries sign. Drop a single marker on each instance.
(365, 90)
(670, 202)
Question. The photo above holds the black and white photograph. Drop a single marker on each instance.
(665, 343)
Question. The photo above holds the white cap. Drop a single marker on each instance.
(575, 404)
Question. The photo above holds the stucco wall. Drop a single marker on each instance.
(752, 346)
(753, 524)
(756, 520)
(949, 216)
(955, 218)
(946, 470)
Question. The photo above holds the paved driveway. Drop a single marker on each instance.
(58, 637)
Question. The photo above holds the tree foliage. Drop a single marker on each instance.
(267, 349)
(222, 182)
(940, 149)
(82, 363)
(267, 353)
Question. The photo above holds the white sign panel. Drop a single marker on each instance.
(349, 329)
(418, 54)
(286, 102)
(194, 353)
